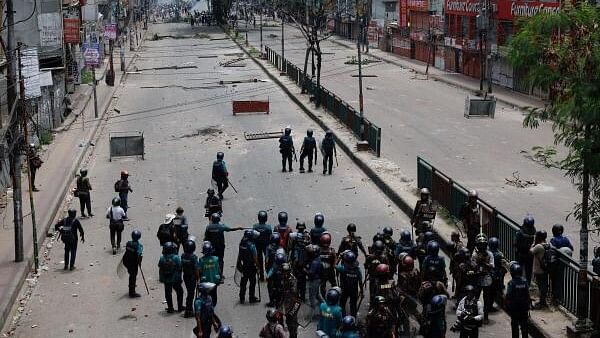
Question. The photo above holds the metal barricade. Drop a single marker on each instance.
(126, 143)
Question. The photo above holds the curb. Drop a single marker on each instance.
(435, 77)
(535, 329)
(24, 269)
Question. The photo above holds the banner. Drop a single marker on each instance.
(509, 10)
(403, 13)
(50, 26)
(91, 54)
(71, 30)
(30, 71)
(110, 31)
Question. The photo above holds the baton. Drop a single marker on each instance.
(143, 278)
(234, 189)
(258, 284)
(336, 161)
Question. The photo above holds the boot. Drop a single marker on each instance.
(301, 170)
(254, 300)
(188, 314)
(114, 251)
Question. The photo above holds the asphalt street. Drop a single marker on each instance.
(425, 118)
(185, 115)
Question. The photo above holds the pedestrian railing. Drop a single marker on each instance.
(333, 104)
(451, 196)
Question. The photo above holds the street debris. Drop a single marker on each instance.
(182, 87)
(272, 35)
(157, 36)
(238, 81)
(207, 131)
(261, 135)
(233, 63)
(176, 67)
(354, 61)
(516, 181)
(543, 156)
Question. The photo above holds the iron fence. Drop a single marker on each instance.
(451, 196)
(336, 106)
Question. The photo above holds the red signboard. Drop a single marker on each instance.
(250, 107)
(71, 30)
(403, 13)
(509, 10)
(462, 7)
(419, 5)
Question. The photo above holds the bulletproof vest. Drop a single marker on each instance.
(218, 169)
(66, 231)
(435, 274)
(264, 234)
(471, 307)
(518, 299)
(349, 243)
(309, 144)
(130, 256)
(472, 217)
(285, 143)
(214, 234)
(499, 269)
(407, 247)
(188, 264)
(327, 145)
(378, 322)
(426, 211)
(81, 184)
(207, 311)
(327, 258)
(169, 265)
(164, 232)
(245, 253)
(315, 234)
(213, 202)
(524, 241)
(300, 243)
(349, 278)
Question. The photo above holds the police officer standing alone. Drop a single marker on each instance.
(247, 262)
(83, 192)
(35, 162)
(424, 209)
(328, 150)
(220, 174)
(517, 301)
(169, 268)
(286, 148)
(189, 265)
(213, 204)
(265, 230)
(318, 230)
(214, 233)
(68, 228)
(132, 260)
(115, 215)
(309, 147)
(123, 188)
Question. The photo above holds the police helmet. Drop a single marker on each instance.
(408, 263)
(312, 250)
(72, 213)
(31, 145)
(428, 236)
(425, 192)
(438, 302)
(207, 248)
(286, 267)
(348, 323)
(262, 217)
(280, 258)
(220, 155)
(205, 287)
(349, 257)
(83, 172)
(136, 235)
(405, 235)
(319, 220)
(271, 315)
(378, 236)
(558, 229)
(473, 193)
(388, 231)
(210, 191)
(288, 130)
(529, 221)
(541, 235)
(382, 269)
(379, 300)
(116, 201)
(225, 331)
(282, 217)
(433, 248)
(309, 133)
(179, 211)
(464, 253)
(494, 243)
(516, 270)
(300, 226)
(332, 297)
(378, 246)
(124, 173)
(325, 240)
(470, 289)
(351, 227)
(215, 218)
(189, 246)
(275, 238)
(169, 248)
(329, 133)
(249, 234)
(481, 242)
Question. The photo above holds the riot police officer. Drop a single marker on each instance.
(205, 313)
(435, 318)
(214, 233)
(378, 256)
(132, 258)
(291, 302)
(275, 280)
(220, 174)
(434, 266)
(351, 242)
(273, 328)
(409, 277)
(286, 148)
(484, 262)
(189, 265)
(313, 270)
(298, 242)
(170, 275)
(500, 269)
(469, 313)
(421, 250)
(523, 242)
(208, 269)
(331, 313)
(247, 264)
(380, 320)
(517, 301)
(470, 216)
(465, 273)
(318, 230)
(309, 146)
(406, 245)
(328, 151)
(424, 210)
(328, 258)
(283, 229)
(348, 328)
(68, 228)
(265, 230)
(213, 204)
(351, 282)
(123, 188)
(390, 247)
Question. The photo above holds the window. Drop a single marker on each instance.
(390, 6)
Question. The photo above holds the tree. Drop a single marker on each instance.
(561, 53)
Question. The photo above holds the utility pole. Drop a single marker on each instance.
(14, 136)
(94, 90)
(261, 31)
(282, 40)
(24, 121)
(360, 84)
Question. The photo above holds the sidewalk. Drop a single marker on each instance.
(389, 178)
(505, 95)
(62, 159)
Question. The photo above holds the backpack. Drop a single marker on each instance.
(66, 231)
(245, 255)
(265, 234)
(327, 145)
(218, 170)
(169, 266)
(188, 264)
(550, 258)
(518, 298)
(130, 255)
